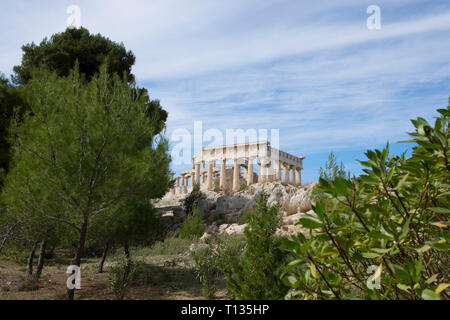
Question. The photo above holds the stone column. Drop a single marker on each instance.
(236, 175)
(183, 184)
(263, 173)
(210, 175)
(177, 185)
(259, 172)
(223, 176)
(278, 164)
(299, 177)
(292, 176)
(197, 174)
(250, 171)
(285, 173)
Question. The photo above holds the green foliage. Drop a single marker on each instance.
(394, 217)
(169, 246)
(219, 258)
(61, 52)
(243, 187)
(135, 224)
(192, 199)
(220, 218)
(29, 284)
(332, 169)
(255, 274)
(85, 150)
(205, 269)
(216, 185)
(245, 216)
(193, 227)
(10, 101)
(121, 277)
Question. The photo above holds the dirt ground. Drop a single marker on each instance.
(163, 278)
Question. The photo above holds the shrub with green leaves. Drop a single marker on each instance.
(121, 276)
(205, 269)
(245, 216)
(193, 226)
(384, 234)
(218, 259)
(256, 273)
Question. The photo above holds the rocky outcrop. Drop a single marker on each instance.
(221, 213)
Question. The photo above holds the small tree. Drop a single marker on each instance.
(193, 226)
(256, 275)
(332, 169)
(191, 201)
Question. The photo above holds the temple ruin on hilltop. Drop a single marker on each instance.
(273, 165)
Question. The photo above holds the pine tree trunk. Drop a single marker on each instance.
(41, 259)
(3, 243)
(30, 259)
(102, 261)
(128, 265)
(79, 254)
(126, 249)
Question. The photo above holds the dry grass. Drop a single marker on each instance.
(156, 280)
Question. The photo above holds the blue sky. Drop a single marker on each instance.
(311, 69)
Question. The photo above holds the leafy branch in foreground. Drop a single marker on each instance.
(385, 234)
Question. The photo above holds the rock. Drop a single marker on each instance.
(290, 230)
(169, 263)
(239, 201)
(278, 195)
(222, 228)
(205, 237)
(232, 218)
(168, 214)
(203, 206)
(292, 219)
(235, 229)
(196, 246)
(212, 196)
(301, 200)
(221, 204)
(212, 228)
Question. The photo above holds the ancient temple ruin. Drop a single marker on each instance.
(210, 170)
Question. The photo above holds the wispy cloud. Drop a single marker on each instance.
(311, 69)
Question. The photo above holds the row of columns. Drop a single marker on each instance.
(267, 173)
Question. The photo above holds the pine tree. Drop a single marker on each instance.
(256, 275)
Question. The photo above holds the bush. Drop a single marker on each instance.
(170, 246)
(191, 201)
(220, 218)
(383, 235)
(29, 284)
(245, 216)
(216, 185)
(193, 227)
(205, 269)
(255, 274)
(218, 258)
(121, 276)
